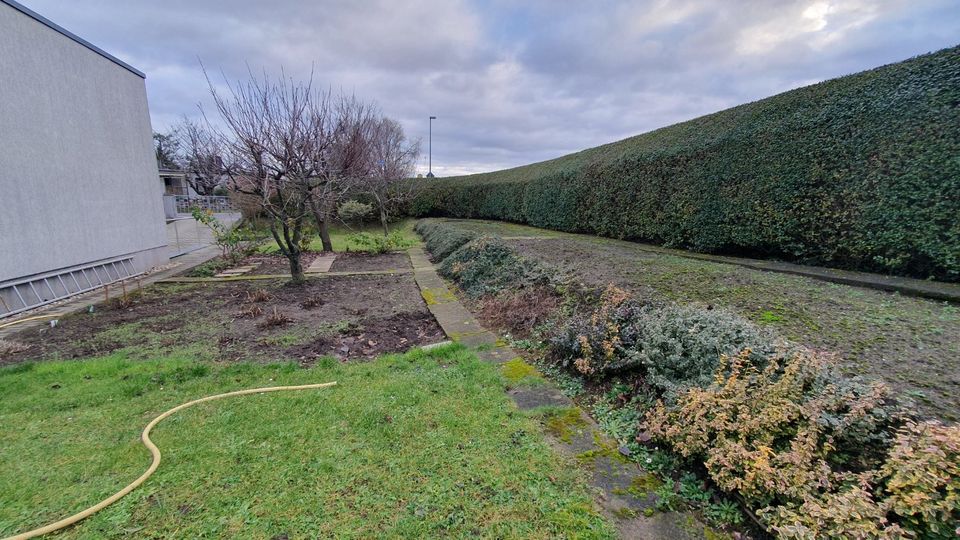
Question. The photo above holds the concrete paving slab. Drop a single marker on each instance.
(321, 264)
(497, 355)
(528, 398)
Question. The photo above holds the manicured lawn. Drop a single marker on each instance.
(413, 446)
(339, 235)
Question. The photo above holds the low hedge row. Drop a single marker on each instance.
(441, 241)
(859, 172)
(481, 265)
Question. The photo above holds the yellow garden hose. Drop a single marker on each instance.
(37, 318)
(155, 452)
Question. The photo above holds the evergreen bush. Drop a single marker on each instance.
(858, 172)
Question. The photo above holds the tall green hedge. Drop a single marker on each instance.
(859, 172)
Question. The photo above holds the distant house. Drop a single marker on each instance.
(175, 183)
(81, 202)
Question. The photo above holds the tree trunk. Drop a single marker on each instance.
(325, 235)
(296, 268)
(323, 228)
(383, 221)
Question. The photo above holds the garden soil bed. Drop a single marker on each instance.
(276, 264)
(365, 262)
(347, 317)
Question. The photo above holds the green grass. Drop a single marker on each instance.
(339, 236)
(411, 446)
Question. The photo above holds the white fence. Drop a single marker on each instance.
(216, 204)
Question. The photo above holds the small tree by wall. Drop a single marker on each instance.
(394, 159)
(201, 155)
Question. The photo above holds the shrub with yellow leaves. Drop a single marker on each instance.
(818, 454)
(922, 479)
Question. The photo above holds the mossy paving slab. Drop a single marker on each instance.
(619, 482)
(528, 398)
(625, 490)
(437, 295)
(496, 354)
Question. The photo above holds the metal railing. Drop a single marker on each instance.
(213, 203)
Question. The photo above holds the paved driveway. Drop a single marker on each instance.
(185, 234)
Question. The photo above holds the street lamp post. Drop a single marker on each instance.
(430, 153)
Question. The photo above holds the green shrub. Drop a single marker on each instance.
(235, 243)
(353, 211)
(486, 266)
(441, 240)
(858, 172)
(675, 347)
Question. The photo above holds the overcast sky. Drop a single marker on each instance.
(512, 82)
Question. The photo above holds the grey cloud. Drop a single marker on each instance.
(512, 82)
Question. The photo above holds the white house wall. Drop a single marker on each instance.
(78, 177)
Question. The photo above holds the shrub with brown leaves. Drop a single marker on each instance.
(275, 319)
(772, 433)
(311, 302)
(520, 312)
(922, 478)
(258, 296)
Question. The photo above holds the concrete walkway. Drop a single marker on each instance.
(186, 235)
(614, 478)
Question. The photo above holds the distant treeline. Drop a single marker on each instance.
(859, 172)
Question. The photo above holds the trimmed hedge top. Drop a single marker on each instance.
(860, 172)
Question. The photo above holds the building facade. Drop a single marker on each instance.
(80, 204)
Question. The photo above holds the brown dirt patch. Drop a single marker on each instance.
(365, 262)
(218, 321)
(275, 264)
(373, 336)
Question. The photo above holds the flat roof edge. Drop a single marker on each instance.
(56, 27)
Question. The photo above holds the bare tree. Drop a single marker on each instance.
(275, 132)
(201, 155)
(394, 161)
(166, 146)
(346, 159)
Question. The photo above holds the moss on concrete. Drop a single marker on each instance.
(517, 371)
(563, 422)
